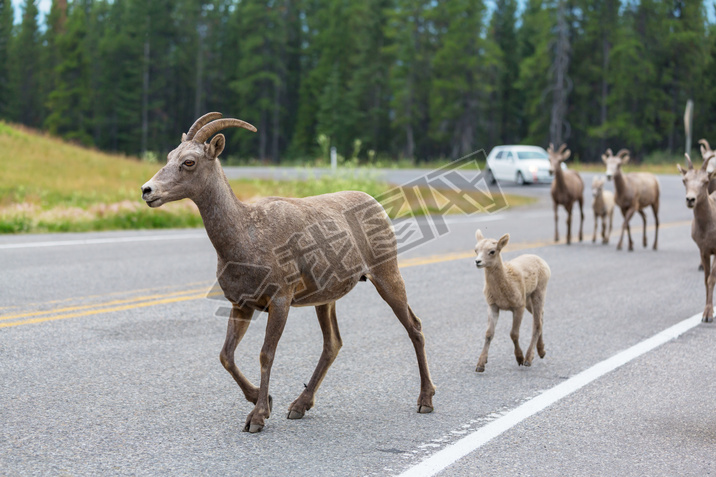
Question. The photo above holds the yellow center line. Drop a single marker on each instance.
(175, 297)
(97, 305)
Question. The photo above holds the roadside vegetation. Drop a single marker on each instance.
(47, 185)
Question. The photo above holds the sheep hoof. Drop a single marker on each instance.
(542, 354)
(254, 428)
(707, 319)
(295, 414)
(520, 361)
(480, 369)
(527, 364)
(424, 409)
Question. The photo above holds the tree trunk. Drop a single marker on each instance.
(145, 92)
(560, 89)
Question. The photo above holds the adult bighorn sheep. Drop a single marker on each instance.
(567, 188)
(283, 252)
(706, 154)
(703, 227)
(635, 191)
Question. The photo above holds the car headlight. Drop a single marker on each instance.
(533, 169)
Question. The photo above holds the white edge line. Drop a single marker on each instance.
(63, 243)
(451, 454)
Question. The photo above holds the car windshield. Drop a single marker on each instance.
(522, 155)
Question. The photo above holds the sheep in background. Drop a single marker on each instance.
(567, 188)
(635, 192)
(515, 285)
(603, 207)
(703, 227)
(707, 154)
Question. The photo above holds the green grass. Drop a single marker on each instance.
(47, 185)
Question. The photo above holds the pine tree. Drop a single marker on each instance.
(26, 102)
(6, 23)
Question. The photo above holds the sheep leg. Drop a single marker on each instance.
(709, 280)
(239, 322)
(278, 313)
(517, 314)
(625, 226)
(537, 311)
(331, 345)
(556, 222)
(609, 232)
(493, 314)
(643, 218)
(596, 227)
(569, 222)
(391, 288)
(655, 208)
(581, 217)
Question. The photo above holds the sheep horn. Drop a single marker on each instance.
(623, 152)
(199, 123)
(214, 127)
(609, 152)
(550, 148)
(705, 143)
(689, 163)
(562, 148)
(704, 166)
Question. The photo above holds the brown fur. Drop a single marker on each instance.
(703, 227)
(567, 188)
(706, 154)
(634, 192)
(518, 284)
(603, 207)
(271, 235)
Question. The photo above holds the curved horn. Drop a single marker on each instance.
(689, 163)
(214, 127)
(704, 166)
(199, 123)
(623, 152)
(562, 148)
(705, 143)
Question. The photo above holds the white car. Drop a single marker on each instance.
(521, 164)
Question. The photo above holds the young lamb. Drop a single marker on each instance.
(280, 252)
(518, 284)
(703, 227)
(603, 207)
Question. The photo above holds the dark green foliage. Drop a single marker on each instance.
(414, 79)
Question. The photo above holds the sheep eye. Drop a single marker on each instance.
(189, 163)
(492, 252)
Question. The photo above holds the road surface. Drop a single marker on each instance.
(109, 362)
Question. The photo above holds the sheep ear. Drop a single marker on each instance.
(478, 235)
(183, 137)
(216, 146)
(566, 154)
(681, 169)
(503, 241)
(625, 159)
(604, 158)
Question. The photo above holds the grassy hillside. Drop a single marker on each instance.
(47, 185)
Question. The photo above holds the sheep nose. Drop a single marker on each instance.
(690, 201)
(478, 263)
(146, 190)
(609, 177)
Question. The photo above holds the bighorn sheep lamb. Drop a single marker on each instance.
(567, 188)
(518, 284)
(703, 227)
(706, 154)
(283, 252)
(603, 207)
(634, 192)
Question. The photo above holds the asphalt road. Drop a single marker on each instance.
(109, 360)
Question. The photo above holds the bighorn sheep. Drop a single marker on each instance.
(706, 154)
(567, 188)
(518, 284)
(634, 192)
(283, 252)
(603, 207)
(703, 227)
